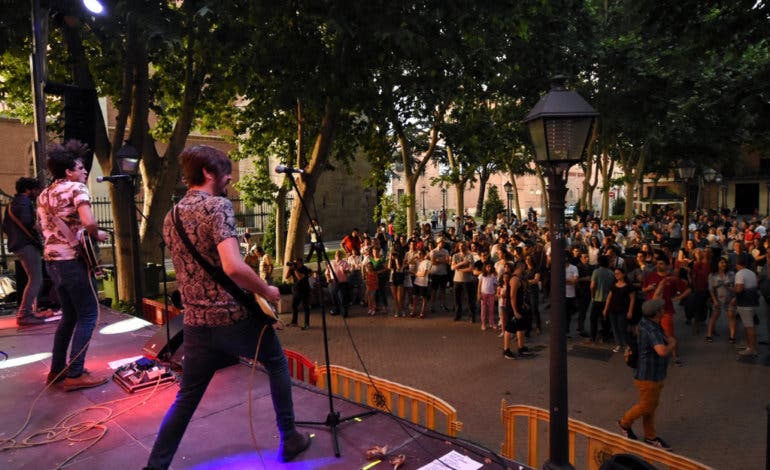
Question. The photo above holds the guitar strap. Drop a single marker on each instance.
(216, 272)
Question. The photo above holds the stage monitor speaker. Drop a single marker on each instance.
(159, 345)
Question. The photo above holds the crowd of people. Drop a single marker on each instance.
(498, 274)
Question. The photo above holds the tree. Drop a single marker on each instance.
(492, 206)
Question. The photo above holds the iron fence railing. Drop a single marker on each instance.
(255, 218)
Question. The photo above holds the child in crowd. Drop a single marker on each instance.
(371, 287)
(503, 301)
(487, 287)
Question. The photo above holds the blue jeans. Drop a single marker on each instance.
(77, 295)
(32, 262)
(207, 349)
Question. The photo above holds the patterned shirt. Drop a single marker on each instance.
(207, 220)
(651, 365)
(61, 199)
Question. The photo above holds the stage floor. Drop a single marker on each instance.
(106, 427)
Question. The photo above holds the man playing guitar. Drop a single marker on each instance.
(216, 326)
(64, 208)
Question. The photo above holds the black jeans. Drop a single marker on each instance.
(340, 295)
(596, 316)
(300, 296)
(470, 297)
(207, 349)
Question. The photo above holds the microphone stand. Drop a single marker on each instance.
(333, 419)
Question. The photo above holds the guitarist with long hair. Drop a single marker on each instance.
(64, 209)
(217, 327)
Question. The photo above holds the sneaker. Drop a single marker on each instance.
(483, 328)
(709, 339)
(524, 352)
(85, 380)
(502, 333)
(627, 432)
(294, 445)
(616, 349)
(658, 442)
(305, 326)
(678, 362)
(748, 352)
(508, 354)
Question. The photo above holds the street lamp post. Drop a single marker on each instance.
(709, 175)
(509, 193)
(686, 170)
(560, 126)
(718, 181)
(128, 164)
(424, 190)
(443, 207)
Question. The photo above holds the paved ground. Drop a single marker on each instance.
(713, 408)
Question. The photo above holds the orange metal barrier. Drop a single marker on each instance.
(423, 407)
(300, 367)
(600, 445)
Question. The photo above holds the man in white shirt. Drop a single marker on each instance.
(570, 293)
(747, 301)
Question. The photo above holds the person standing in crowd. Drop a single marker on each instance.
(340, 287)
(421, 284)
(571, 277)
(532, 277)
(601, 283)
(520, 318)
(64, 209)
(583, 292)
(217, 328)
(24, 240)
(299, 274)
(351, 242)
(487, 288)
(654, 349)
(619, 308)
(721, 285)
(266, 265)
(665, 285)
(396, 282)
(462, 265)
(439, 274)
(315, 232)
(746, 302)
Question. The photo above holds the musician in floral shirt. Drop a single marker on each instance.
(66, 205)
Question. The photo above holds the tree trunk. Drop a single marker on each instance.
(516, 202)
(280, 225)
(298, 223)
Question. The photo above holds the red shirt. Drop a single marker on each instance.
(700, 276)
(674, 286)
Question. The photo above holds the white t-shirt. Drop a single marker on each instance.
(747, 278)
(570, 272)
(422, 267)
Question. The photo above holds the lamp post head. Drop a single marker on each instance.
(685, 169)
(560, 125)
(709, 175)
(508, 186)
(128, 159)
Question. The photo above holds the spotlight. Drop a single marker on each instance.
(94, 6)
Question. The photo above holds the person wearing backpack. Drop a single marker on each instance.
(654, 350)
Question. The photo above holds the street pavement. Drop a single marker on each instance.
(713, 408)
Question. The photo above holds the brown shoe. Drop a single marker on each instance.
(55, 378)
(85, 380)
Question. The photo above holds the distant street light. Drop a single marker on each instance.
(686, 170)
(443, 206)
(424, 190)
(560, 126)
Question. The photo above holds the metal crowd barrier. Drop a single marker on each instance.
(405, 402)
(598, 445)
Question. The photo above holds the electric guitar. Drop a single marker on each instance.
(89, 251)
(267, 308)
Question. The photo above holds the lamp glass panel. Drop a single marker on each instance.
(537, 134)
(128, 165)
(567, 138)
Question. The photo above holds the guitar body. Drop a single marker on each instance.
(89, 251)
(267, 308)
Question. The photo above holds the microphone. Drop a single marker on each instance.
(112, 179)
(289, 170)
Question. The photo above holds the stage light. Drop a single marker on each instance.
(94, 6)
(24, 360)
(125, 326)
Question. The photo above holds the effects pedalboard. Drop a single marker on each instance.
(142, 374)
